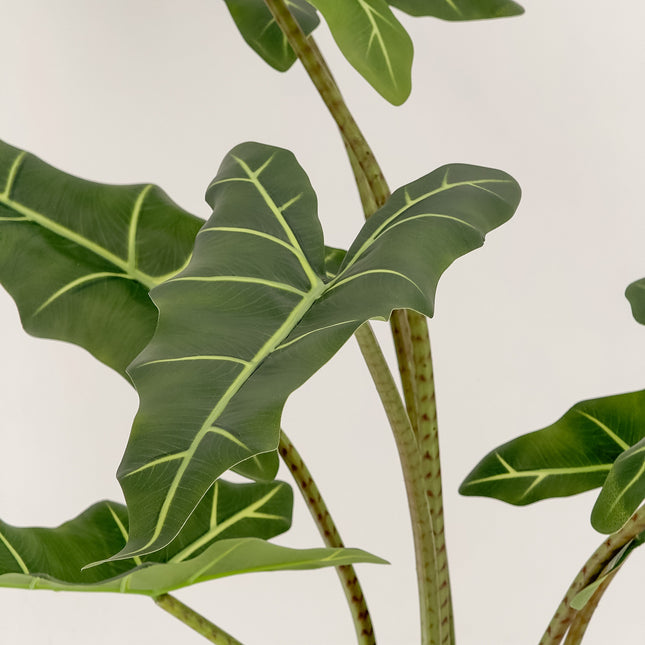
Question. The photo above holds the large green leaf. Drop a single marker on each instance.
(636, 295)
(623, 491)
(573, 455)
(459, 9)
(263, 35)
(254, 315)
(79, 257)
(214, 543)
(374, 42)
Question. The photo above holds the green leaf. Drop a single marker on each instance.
(263, 35)
(374, 42)
(635, 293)
(79, 257)
(584, 596)
(459, 9)
(572, 455)
(623, 491)
(254, 315)
(214, 543)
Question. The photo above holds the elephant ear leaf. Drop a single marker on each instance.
(254, 315)
(225, 536)
(635, 293)
(374, 42)
(573, 455)
(79, 257)
(261, 32)
(459, 9)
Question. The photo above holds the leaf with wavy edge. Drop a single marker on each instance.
(222, 538)
(623, 491)
(459, 9)
(374, 42)
(254, 315)
(260, 31)
(79, 257)
(635, 293)
(573, 455)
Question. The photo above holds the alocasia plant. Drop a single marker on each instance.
(217, 322)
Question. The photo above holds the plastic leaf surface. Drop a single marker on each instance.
(263, 35)
(573, 455)
(254, 315)
(223, 537)
(374, 42)
(459, 9)
(79, 257)
(635, 293)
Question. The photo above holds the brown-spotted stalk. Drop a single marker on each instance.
(195, 621)
(370, 179)
(593, 567)
(329, 533)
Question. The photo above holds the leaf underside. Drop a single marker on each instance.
(225, 536)
(254, 315)
(575, 454)
(459, 9)
(374, 42)
(261, 32)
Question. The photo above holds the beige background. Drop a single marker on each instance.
(159, 91)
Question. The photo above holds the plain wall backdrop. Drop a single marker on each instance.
(159, 91)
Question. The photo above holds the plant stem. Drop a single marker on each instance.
(564, 614)
(194, 620)
(428, 439)
(329, 532)
(583, 617)
(412, 473)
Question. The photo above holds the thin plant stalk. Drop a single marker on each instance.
(408, 450)
(565, 614)
(195, 621)
(329, 533)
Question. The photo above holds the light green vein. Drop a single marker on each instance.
(504, 463)
(370, 12)
(335, 285)
(91, 277)
(608, 431)
(245, 513)
(122, 529)
(633, 480)
(545, 472)
(16, 556)
(231, 359)
(384, 225)
(155, 462)
(250, 231)
(313, 331)
(211, 563)
(134, 223)
(213, 520)
(241, 279)
(11, 177)
(454, 7)
(231, 437)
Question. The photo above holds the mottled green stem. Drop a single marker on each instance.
(565, 614)
(194, 620)
(428, 439)
(581, 621)
(328, 90)
(408, 450)
(327, 529)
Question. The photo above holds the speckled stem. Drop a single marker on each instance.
(329, 532)
(409, 455)
(195, 621)
(428, 439)
(565, 614)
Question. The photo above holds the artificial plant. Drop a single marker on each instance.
(216, 324)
